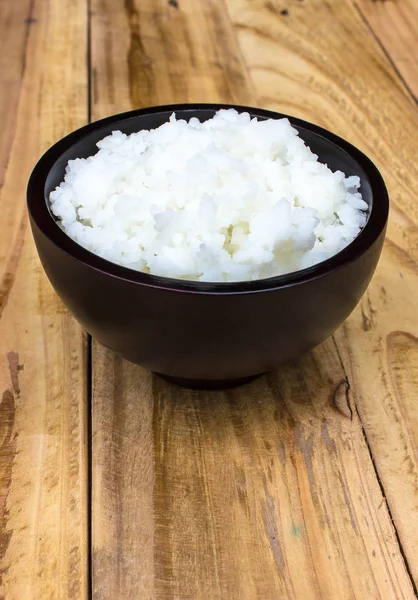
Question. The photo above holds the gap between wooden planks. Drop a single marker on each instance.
(276, 489)
(43, 358)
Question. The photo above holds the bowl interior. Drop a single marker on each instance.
(335, 152)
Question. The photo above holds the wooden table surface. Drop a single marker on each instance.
(117, 485)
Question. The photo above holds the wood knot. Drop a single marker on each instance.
(340, 398)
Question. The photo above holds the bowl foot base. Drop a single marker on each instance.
(209, 384)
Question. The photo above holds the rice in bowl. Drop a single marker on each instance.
(229, 199)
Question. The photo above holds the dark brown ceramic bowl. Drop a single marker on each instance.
(205, 334)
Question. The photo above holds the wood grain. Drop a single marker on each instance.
(268, 491)
(152, 53)
(146, 53)
(395, 25)
(43, 518)
(259, 492)
(303, 69)
(302, 484)
(123, 528)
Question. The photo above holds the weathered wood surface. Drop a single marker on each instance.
(43, 518)
(284, 488)
(358, 94)
(394, 23)
(303, 484)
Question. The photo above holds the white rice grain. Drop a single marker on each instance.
(230, 199)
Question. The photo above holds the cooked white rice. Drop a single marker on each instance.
(230, 199)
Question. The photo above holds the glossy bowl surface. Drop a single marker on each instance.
(196, 333)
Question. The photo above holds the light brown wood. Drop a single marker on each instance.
(43, 357)
(303, 484)
(153, 53)
(146, 53)
(268, 491)
(123, 479)
(394, 22)
(357, 94)
(259, 492)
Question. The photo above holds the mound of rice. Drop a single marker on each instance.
(230, 199)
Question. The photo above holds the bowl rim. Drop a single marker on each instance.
(41, 216)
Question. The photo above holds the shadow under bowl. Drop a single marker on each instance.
(205, 334)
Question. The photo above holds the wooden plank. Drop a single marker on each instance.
(267, 491)
(151, 53)
(123, 479)
(259, 492)
(146, 53)
(395, 24)
(43, 516)
(320, 62)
